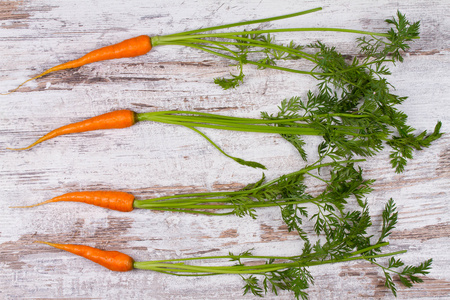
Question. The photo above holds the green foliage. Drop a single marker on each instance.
(404, 145)
(289, 109)
(356, 113)
(234, 81)
(407, 275)
(405, 32)
(390, 218)
(293, 217)
(342, 235)
(248, 163)
(354, 107)
(281, 191)
(254, 44)
(340, 231)
(252, 285)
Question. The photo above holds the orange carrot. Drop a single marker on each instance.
(129, 48)
(113, 260)
(115, 200)
(111, 120)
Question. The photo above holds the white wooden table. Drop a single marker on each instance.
(151, 159)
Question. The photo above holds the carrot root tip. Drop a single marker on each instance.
(24, 206)
(42, 242)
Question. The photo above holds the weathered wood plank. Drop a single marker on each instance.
(152, 160)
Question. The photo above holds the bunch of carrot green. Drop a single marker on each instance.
(286, 190)
(340, 234)
(238, 46)
(353, 109)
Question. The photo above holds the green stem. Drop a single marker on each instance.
(265, 20)
(383, 268)
(184, 202)
(294, 258)
(241, 161)
(202, 212)
(261, 65)
(245, 128)
(142, 117)
(253, 44)
(193, 119)
(370, 248)
(261, 121)
(162, 40)
(183, 206)
(250, 41)
(256, 123)
(177, 266)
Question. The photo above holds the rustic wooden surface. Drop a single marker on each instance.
(151, 159)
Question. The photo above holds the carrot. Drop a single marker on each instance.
(274, 193)
(113, 260)
(128, 48)
(292, 271)
(112, 120)
(257, 48)
(115, 200)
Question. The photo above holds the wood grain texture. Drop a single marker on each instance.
(152, 160)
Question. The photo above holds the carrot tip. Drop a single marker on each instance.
(15, 89)
(18, 87)
(18, 149)
(46, 243)
(23, 206)
(24, 148)
(33, 205)
(28, 80)
(42, 242)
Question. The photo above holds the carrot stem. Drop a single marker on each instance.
(193, 202)
(197, 39)
(177, 265)
(212, 200)
(243, 23)
(118, 261)
(163, 39)
(249, 61)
